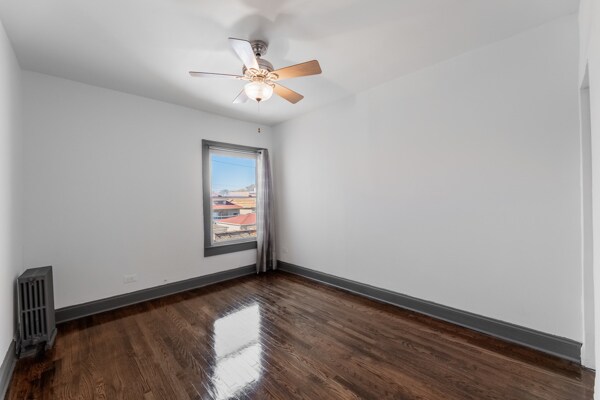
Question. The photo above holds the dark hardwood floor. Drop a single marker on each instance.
(284, 337)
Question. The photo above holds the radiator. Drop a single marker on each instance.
(37, 325)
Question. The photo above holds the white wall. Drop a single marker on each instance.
(11, 159)
(458, 184)
(589, 19)
(114, 187)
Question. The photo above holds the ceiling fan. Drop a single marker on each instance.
(262, 78)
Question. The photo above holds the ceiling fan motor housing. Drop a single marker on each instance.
(262, 63)
(259, 47)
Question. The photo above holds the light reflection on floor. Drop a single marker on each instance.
(238, 352)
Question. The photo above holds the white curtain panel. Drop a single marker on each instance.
(265, 224)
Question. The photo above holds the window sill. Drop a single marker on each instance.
(229, 248)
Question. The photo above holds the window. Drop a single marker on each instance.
(229, 185)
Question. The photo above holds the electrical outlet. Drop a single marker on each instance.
(284, 251)
(130, 278)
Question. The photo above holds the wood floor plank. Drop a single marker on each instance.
(280, 336)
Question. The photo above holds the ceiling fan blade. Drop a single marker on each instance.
(212, 75)
(244, 51)
(241, 98)
(295, 71)
(287, 94)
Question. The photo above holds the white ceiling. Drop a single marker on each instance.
(146, 47)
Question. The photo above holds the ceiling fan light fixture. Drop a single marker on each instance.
(258, 91)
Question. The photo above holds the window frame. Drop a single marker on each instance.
(211, 249)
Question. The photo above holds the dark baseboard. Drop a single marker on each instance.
(7, 366)
(555, 345)
(97, 306)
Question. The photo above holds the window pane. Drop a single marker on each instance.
(233, 196)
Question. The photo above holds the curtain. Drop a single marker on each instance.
(265, 226)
